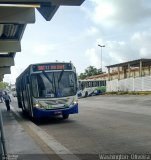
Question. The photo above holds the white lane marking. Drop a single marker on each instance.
(51, 142)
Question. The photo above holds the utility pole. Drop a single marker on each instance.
(101, 54)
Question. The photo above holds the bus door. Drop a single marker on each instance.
(29, 97)
(26, 95)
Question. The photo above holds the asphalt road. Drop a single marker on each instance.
(105, 124)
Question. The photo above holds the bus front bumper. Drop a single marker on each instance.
(37, 112)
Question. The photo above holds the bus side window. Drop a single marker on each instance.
(41, 86)
(27, 79)
(24, 83)
(82, 86)
(86, 84)
(34, 86)
(97, 84)
(104, 83)
(89, 84)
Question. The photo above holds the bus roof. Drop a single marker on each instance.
(45, 63)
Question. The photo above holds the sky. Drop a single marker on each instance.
(73, 34)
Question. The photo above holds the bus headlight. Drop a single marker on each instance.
(37, 105)
(74, 102)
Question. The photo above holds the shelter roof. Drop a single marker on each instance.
(134, 63)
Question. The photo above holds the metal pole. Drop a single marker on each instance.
(101, 54)
(101, 58)
(3, 146)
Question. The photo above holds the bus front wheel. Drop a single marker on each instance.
(24, 111)
(65, 116)
(86, 94)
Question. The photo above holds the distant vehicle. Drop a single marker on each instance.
(13, 90)
(91, 87)
(48, 89)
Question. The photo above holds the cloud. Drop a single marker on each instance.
(135, 47)
(113, 52)
(43, 49)
(15, 72)
(123, 29)
(141, 42)
(120, 51)
(119, 12)
(120, 25)
(92, 31)
(93, 57)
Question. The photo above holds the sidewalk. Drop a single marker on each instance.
(26, 141)
(19, 143)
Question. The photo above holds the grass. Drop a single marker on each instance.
(129, 93)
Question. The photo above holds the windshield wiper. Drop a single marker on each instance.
(45, 74)
(60, 76)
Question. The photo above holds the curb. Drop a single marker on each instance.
(50, 141)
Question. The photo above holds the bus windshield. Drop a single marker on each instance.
(54, 84)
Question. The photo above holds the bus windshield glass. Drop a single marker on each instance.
(54, 84)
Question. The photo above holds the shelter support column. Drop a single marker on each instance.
(140, 68)
(125, 71)
(134, 74)
(148, 70)
(118, 73)
(129, 72)
(109, 74)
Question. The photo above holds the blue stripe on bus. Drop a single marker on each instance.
(48, 113)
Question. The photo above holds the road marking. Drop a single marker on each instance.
(51, 142)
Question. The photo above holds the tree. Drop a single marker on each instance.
(90, 71)
(3, 85)
(82, 76)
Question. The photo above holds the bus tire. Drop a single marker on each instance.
(34, 119)
(86, 94)
(24, 112)
(19, 104)
(65, 116)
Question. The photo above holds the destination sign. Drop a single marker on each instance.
(52, 66)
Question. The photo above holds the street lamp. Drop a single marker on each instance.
(101, 53)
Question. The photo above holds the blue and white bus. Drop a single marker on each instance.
(48, 89)
(91, 87)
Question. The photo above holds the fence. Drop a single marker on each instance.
(130, 84)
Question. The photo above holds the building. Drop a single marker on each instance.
(135, 68)
(130, 76)
(127, 76)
